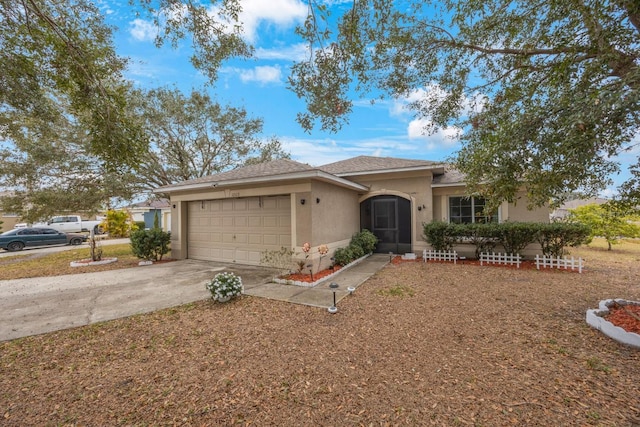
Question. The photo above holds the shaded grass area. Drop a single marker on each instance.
(57, 263)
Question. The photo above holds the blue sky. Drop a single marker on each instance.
(259, 85)
(385, 128)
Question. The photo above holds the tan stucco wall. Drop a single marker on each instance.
(519, 211)
(335, 215)
(414, 186)
(302, 221)
(178, 229)
(330, 215)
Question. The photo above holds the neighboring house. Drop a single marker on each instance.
(9, 220)
(235, 216)
(146, 211)
(561, 212)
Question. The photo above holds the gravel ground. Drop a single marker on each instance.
(418, 344)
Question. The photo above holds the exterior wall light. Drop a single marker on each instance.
(302, 201)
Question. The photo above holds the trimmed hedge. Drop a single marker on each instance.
(361, 244)
(512, 236)
(151, 244)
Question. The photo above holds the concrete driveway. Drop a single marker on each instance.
(39, 305)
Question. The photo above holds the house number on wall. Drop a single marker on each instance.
(237, 194)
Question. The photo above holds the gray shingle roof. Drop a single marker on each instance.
(272, 168)
(152, 203)
(372, 164)
(450, 177)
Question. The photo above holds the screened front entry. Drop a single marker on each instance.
(389, 218)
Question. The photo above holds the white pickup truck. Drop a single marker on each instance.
(73, 224)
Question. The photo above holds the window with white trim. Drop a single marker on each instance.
(468, 210)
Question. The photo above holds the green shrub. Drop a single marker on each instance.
(366, 240)
(553, 238)
(140, 225)
(441, 235)
(515, 236)
(343, 256)
(357, 251)
(482, 236)
(150, 245)
(118, 224)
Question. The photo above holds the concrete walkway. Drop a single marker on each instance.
(45, 304)
(321, 295)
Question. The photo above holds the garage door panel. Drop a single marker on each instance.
(254, 221)
(270, 203)
(270, 239)
(270, 222)
(240, 205)
(227, 205)
(254, 204)
(241, 256)
(284, 222)
(238, 230)
(254, 257)
(285, 240)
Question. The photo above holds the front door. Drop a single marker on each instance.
(389, 218)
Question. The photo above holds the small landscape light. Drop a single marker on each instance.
(333, 309)
(351, 290)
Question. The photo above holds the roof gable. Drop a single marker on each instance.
(370, 164)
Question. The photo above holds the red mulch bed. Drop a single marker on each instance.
(625, 316)
(306, 277)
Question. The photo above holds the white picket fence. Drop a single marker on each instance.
(566, 263)
(439, 255)
(500, 258)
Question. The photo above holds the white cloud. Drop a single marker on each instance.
(142, 30)
(422, 129)
(262, 74)
(283, 13)
(296, 52)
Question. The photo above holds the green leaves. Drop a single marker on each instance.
(59, 63)
(194, 136)
(561, 79)
(610, 220)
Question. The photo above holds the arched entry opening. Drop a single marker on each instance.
(389, 218)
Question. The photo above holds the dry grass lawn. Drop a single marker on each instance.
(434, 344)
(25, 265)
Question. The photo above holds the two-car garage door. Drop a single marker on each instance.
(238, 230)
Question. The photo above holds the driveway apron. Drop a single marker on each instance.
(45, 304)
